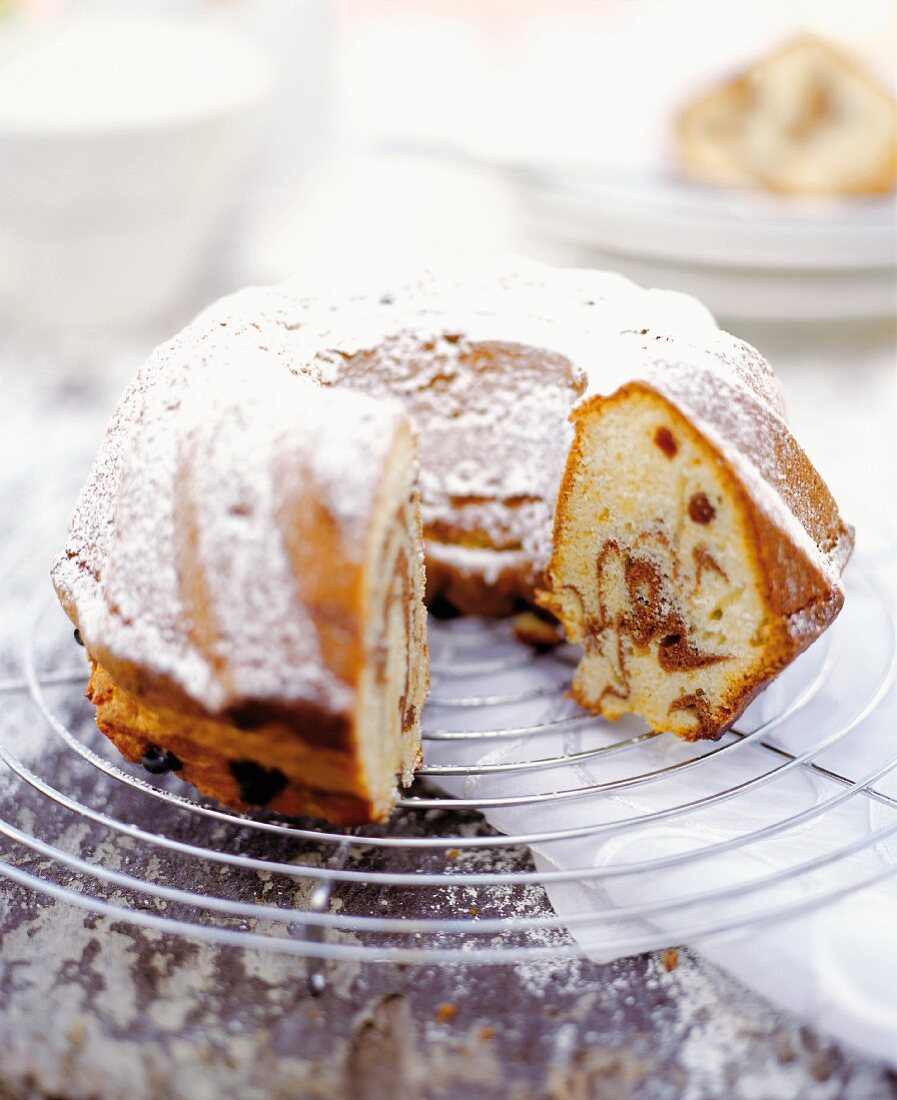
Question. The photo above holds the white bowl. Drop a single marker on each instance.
(121, 141)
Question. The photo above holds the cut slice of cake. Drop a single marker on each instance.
(696, 549)
(807, 119)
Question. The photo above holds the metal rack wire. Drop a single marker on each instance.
(397, 892)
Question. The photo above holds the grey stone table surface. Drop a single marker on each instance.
(94, 1006)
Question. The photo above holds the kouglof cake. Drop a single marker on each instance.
(246, 564)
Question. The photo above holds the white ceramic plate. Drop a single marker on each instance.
(646, 213)
(746, 255)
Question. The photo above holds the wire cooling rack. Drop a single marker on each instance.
(451, 877)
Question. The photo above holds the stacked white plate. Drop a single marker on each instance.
(745, 255)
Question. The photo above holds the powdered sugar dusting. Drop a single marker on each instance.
(181, 513)
(488, 364)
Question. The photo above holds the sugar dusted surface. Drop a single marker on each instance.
(493, 446)
(185, 486)
(488, 364)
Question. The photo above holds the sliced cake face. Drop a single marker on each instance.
(656, 572)
(394, 679)
(806, 120)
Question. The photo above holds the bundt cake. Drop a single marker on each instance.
(806, 120)
(696, 549)
(245, 562)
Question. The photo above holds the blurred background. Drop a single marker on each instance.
(157, 153)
